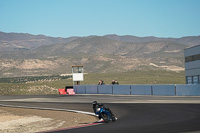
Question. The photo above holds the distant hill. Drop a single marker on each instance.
(188, 41)
(98, 45)
(30, 55)
(12, 41)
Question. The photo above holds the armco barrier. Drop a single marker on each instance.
(91, 89)
(188, 90)
(105, 89)
(121, 89)
(167, 90)
(141, 90)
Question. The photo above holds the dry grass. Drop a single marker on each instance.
(133, 77)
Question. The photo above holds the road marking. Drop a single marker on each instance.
(54, 109)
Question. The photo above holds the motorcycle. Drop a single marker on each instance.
(103, 112)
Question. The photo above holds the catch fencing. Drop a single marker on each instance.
(166, 90)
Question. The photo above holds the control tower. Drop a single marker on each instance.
(77, 74)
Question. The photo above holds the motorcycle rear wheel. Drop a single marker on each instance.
(105, 117)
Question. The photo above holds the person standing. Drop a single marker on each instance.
(116, 82)
(113, 82)
(101, 82)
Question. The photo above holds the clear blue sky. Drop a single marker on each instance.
(65, 18)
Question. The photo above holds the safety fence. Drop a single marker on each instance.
(167, 90)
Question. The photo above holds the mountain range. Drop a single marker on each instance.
(31, 55)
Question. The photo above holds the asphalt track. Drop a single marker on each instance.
(139, 114)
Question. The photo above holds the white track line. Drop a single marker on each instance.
(54, 109)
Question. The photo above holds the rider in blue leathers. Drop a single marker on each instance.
(96, 108)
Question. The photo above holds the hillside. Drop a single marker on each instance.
(188, 41)
(24, 41)
(32, 55)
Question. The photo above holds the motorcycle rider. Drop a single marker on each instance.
(97, 107)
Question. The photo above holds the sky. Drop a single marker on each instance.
(66, 18)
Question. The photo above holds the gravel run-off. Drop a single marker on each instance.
(19, 120)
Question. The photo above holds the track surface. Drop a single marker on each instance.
(135, 113)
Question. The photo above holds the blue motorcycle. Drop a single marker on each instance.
(103, 112)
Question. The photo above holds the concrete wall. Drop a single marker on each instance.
(188, 90)
(167, 90)
(141, 90)
(121, 89)
(105, 89)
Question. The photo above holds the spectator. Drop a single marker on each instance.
(113, 82)
(116, 82)
(101, 82)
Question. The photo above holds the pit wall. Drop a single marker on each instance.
(167, 90)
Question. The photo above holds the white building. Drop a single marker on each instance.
(192, 65)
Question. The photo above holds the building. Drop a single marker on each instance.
(192, 65)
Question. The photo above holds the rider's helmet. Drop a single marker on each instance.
(94, 102)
